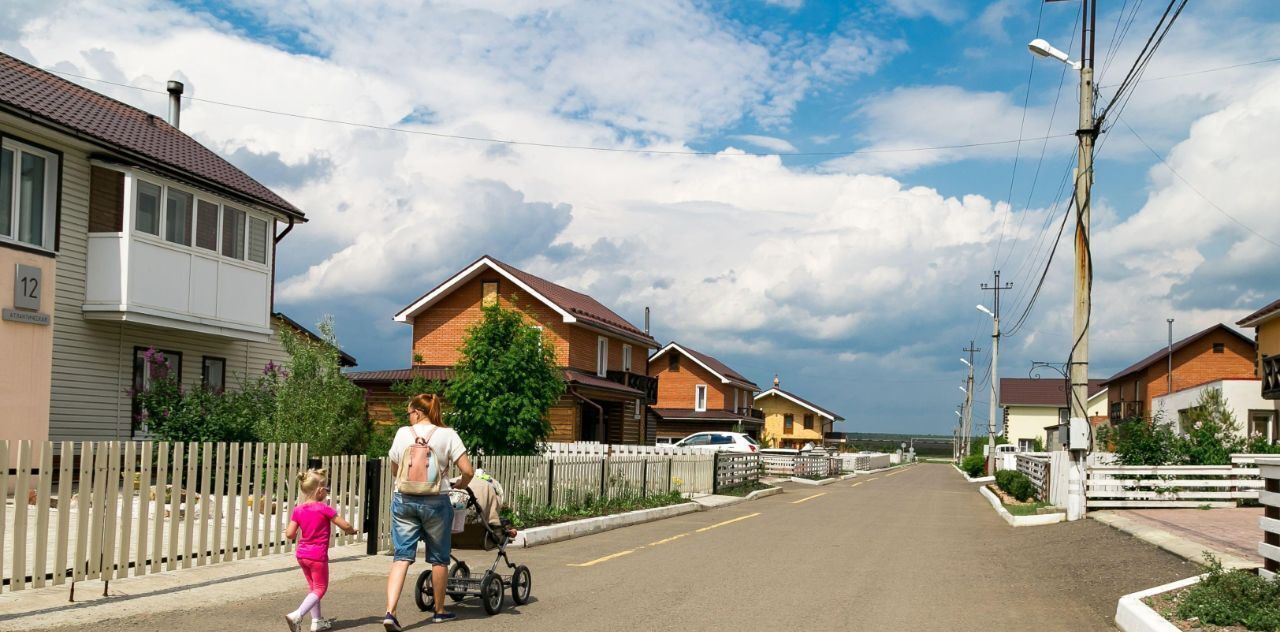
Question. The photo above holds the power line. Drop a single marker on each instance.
(1144, 57)
(1013, 175)
(523, 143)
(1197, 191)
(1203, 71)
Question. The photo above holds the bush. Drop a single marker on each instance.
(974, 465)
(172, 413)
(1141, 442)
(1237, 597)
(1016, 484)
(1211, 432)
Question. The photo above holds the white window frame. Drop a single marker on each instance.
(635, 414)
(700, 397)
(50, 219)
(602, 356)
(735, 400)
(131, 187)
(626, 358)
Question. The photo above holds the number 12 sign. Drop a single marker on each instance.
(27, 287)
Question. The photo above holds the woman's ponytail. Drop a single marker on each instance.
(429, 405)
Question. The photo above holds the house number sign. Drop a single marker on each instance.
(28, 287)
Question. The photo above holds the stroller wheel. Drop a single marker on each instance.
(521, 582)
(491, 592)
(423, 594)
(459, 571)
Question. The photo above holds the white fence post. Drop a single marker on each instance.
(1269, 548)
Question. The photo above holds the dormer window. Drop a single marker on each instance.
(28, 194)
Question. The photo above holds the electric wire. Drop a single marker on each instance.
(1013, 175)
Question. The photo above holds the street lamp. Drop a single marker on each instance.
(983, 309)
(963, 390)
(1041, 48)
(966, 362)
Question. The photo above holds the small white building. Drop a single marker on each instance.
(1254, 415)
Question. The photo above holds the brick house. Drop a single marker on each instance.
(1216, 353)
(604, 357)
(791, 421)
(697, 392)
(1266, 325)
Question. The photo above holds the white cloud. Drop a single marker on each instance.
(768, 142)
(941, 11)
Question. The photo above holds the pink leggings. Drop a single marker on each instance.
(317, 574)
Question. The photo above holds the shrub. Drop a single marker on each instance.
(1211, 432)
(1237, 597)
(974, 465)
(1141, 442)
(1016, 484)
(173, 413)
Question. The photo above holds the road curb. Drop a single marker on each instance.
(569, 530)
(980, 479)
(1134, 616)
(1182, 547)
(807, 481)
(1020, 521)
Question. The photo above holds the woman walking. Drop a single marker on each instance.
(421, 455)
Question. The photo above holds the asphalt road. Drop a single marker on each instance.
(910, 549)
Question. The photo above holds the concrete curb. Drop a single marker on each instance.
(806, 481)
(764, 493)
(587, 526)
(845, 477)
(980, 479)
(729, 501)
(1020, 521)
(1180, 546)
(1134, 616)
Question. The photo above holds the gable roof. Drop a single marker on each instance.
(1023, 391)
(801, 401)
(573, 307)
(1178, 346)
(133, 133)
(345, 359)
(1261, 316)
(716, 367)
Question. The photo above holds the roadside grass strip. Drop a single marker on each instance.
(673, 538)
(796, 502)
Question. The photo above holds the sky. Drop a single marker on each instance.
(809, 189)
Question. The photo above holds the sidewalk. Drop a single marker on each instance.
(1230, 534)
(215, 585)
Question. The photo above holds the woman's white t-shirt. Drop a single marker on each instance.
(445, 444)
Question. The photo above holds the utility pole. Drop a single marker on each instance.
(968, 402)
(1086, 134)
(995, 369)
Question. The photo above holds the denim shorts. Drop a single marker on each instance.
(415, 518)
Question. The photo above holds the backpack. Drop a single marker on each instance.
(419, 473)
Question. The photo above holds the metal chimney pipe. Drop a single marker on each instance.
(646, 321)
(175, 102)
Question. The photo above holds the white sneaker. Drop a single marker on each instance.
(294, 622)
(321, 624)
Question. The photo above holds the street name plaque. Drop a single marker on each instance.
(24, 317)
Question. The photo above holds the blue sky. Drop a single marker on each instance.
(852, 277)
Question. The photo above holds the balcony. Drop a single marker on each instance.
(644, 383)
(1271, 377)
(754, 413)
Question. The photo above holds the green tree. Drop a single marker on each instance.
(504, 385)
(976, 446)
(1138, 441)
(1212, 434)
(315, 403)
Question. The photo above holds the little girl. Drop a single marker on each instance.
(312, 518)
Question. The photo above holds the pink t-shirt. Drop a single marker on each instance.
(313, 530)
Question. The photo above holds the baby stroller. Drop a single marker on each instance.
(490, 532)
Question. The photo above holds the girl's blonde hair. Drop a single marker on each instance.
(311, 481)
(429, 405)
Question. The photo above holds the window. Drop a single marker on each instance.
(489, 293)
(1219, 347)
(808, 422)
(700, 397)
(257, 240)
(673, 361)
(213, 374)
(1263, 423)
(626, 358)
(147, 208)
(207, 225)
(602, 356)
(735, 400)
(696, 439)
(28, 194)
(177, 216)
(1026, 445)
(635, 413)
(788, 423)
(721, 439)
(150, 364)
(233, 233)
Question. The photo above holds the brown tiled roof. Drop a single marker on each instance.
(1258, 317)
(1022, 391)
(125, 129)
(715, 365)
(802, 401)
(441, 373)
(1177, 346)
(704, 415)
(574, 376)
(583, 307)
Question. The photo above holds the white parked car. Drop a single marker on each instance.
(720, 442)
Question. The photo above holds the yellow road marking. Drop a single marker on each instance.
(606, 558)
(857, 483)
(796, 502)
(893, 474)
(674, 537)
(721, 524)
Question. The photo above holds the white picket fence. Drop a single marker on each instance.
(807, 465)
(1173, 485)
(110, 510)
(592, 448)
(1269, 548)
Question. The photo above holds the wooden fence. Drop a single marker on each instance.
(808, 465)
(109, 510)
(1172, 485)
(591, 448)
(736, 469)
(1037, 468)
(1269, 548)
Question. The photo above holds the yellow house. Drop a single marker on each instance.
(791, 421)
(1266, 323)
(1032, 405)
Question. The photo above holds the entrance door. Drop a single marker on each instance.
(589, 423)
